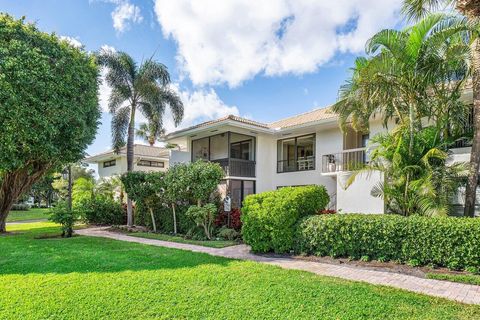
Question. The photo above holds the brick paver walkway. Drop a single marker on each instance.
(450, 290)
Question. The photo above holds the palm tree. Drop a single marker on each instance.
(144, 88)
(417, 180)
(149, 132)
(471, 10)
(411, 74)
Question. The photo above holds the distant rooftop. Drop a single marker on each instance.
(140, 150)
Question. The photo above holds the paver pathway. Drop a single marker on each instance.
(450, 290)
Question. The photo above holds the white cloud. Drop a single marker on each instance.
(199, 105)
(232, 41)
(72, 41)
(124, 14)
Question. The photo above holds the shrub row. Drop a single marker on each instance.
(269, 218)
(448, 242)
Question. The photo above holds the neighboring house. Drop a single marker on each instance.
(146, 158)
(304, 149)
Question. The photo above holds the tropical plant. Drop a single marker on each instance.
(471, 10)
(149, 132)
(48, 107)
(418, 179)
(203, 216)
(144, 88)
(82, 189)
(64, 216)
(410, 74)
(111, 187)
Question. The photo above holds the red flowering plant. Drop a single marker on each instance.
(235, 222)
(327, 211)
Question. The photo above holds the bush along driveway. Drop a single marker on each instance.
(454, 291)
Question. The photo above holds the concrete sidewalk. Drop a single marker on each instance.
(464, 293)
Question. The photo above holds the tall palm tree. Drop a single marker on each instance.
(471, 10)
(149, 132)
(144, 88)
(410, 74)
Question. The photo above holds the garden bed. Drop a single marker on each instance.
(142, 233)
(421, 272)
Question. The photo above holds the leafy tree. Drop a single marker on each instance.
(144, 88)
(177, 189)
(43, 190)
(149, 132)
(203, 179)
(147, 188)
(471, 10)
(48, 107)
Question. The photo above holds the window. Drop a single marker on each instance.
(296, 154)
(239, 189)
(201, 149)
(148, 163)
(240, 150)
(110, 163)
(224, 146)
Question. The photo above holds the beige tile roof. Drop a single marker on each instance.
(304, 118)
(229, 117)
(140, 150)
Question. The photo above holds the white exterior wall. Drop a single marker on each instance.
(357, 197)
(266, 153)
(120, 167)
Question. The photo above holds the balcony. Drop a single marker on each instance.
(237, 167)
(234, 152)
(346, 160)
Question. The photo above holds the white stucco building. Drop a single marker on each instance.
(146, 158)
(305, 149)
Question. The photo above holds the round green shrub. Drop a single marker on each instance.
(269, 218)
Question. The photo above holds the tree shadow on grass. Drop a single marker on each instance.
(23, 254)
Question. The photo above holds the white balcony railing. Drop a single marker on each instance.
(346, 160)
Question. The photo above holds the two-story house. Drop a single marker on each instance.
(304, 149)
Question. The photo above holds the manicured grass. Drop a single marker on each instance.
(97, 278)
(32, 214)
(463, 278)
(167, 237)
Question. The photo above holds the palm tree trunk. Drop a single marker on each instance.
(130, 153)
(471, 188)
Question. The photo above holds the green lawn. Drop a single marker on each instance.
(463, 278)
(97, 278)
(166, 237)
(32, 214)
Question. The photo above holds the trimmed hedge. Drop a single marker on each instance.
(416, 240)
(269, 218)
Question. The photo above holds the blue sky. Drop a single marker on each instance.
(265, 60)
